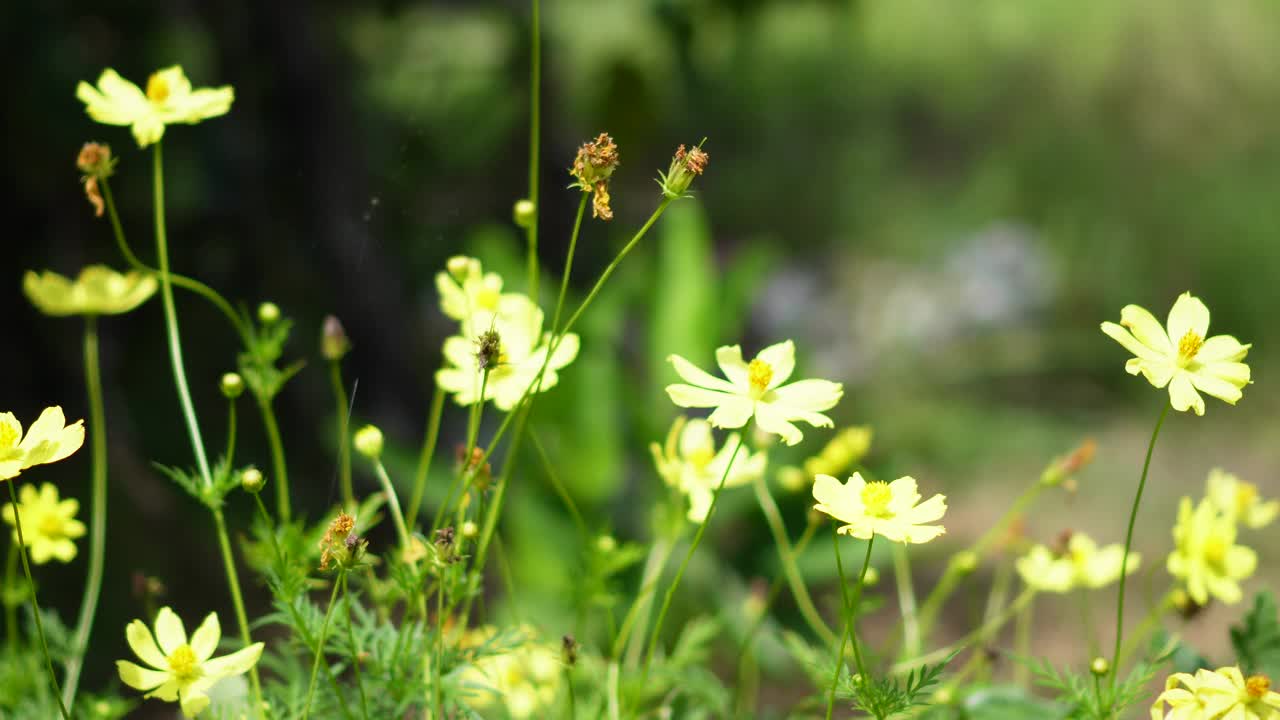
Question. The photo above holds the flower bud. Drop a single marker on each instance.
(1099, 666)
(525, 213)
(965, 561)
(368, 442)
(251, 480)
(460, 267)
(685, 166)
(469, 530)
(333, 339)
(871, 578)
(606, 544)
(268, 313)
(232, 385)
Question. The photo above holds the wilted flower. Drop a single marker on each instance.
(592, 168)
(98, 290)
(95, 161)
(690, 463)
(48, 524)
(1239, 500)
(333, 545)
(880, 508)
(1083, 564)
(1206, 555)
(169, 99)
(49, 439)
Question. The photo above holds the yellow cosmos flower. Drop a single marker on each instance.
(1185, 358)
(525, 679)
(880, 508)
(1083, 564)
(1239, 500)
(1223, 694)
(690, 463)
(98, 290)
(756, 390)
(169, 99)
(1206, 555)
(513, 348)
(49, 439)
(48, 524)
(179, 669)
(468, 294)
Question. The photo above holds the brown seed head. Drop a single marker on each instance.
(94, 160)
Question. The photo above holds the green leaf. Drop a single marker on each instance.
(1257, 641)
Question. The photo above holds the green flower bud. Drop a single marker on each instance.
(368, 442)
(1100, 666)
(965, 561)
(232, 385)
(469, 530)
(525, 213)
(333, 339)
(268, 313)
(251, 480)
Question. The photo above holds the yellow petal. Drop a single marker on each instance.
(1222, 348)
(1131, 343)
(697, 397)
(771, 420)
(200, 105)
(169, 631)
(140, 678)
(1183, 394)
(729, 358)
(49, 439)
(1145, 328)
(1188, 315)
(115, 101)
(807, 397)
(193, 704)
(929, 510)
(733, 411)
(1216, 387)
(205, 639)
(234, 664)
(782, 360)
(696, 439)
(144, 645)
(694, 375)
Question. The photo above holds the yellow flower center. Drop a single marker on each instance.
(1215, 551)
(182, 662)
(1246, 494)
(157, 89)
(50, 525)
(1257, 686)
(702, 457)
(8, 436)
(487, 299)
(875, 499)
(1188, 346)
(759, 374)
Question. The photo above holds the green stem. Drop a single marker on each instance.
(393, 502)
(1022, 641)
(906, 599)
(568, 681)
(474, 418)
(344, 439)
(278, 467)
(774, 589)
(237, 602)
(11, 607)
(437, 693)
(1086, 617)
(986, 630)
(231, 433)
(355, 650)
(849, 611)
(315, 664)
(693, 547)
(1148, 624)
(659, 554)
(535, 131)
(171, 324)
(426, 455)
(98, 515)
(789, 568)
(1128, 542)
(568, 263)
(35, 605)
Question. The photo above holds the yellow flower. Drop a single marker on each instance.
(169, 99)
(468, 294)
(48, 524)
(181, 670)
(1223, 694)
(511, 345)
(880, 508)
(98, 290)
(756, 390)
(1083, 564)
(1184, 358)
(1239, 500)
(1206, 555)
(49, 439)
(525, 678)
(690, 463)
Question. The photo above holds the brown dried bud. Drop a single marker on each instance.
(445, 537)
(489, 350)
(570, 650)
(333, 339)
(592, 168)
(95, 160)
(685, 166)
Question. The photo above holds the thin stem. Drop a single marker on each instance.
(344, 439)
(231, 433)
(558, 486)
(1149, 623)
(568, 681)
(693, 547)
(237, 602)
(1128, 542)
(987, 629)
(171, 324)
(426, 455)
(774, 589)
(35, 604)
(789, 568)
(98, 514)
(849, 611)
(437, 693)
(10, 607)
(906, 599)
(535, 133)
(393, 502)
(1022, 641)
(355, 650)
(474, 417)
(568, 263)
(278, 466)
(315, 664)
(659, 554)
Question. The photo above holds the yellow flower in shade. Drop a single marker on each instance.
(690, 463)
(468, 294)
(1185, 358)
(98, 290)
(511, 345)
(49, 439)
(1083, 565)
(48, 524)
(756, 389)
(180, 669)
(524, 677)
(1240, 500)
(887, 509)
(1223, 694)
(169, 99)
(1206, 556)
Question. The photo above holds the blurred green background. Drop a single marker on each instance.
(938, 201)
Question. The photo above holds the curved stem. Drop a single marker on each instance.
(355, 651)
(237, 601)
(789, 568)
(1128, 542)
(344, 440)
(425, 456)
(393, 502)
(278, 466)
(774, 589)
(98, 515)
(535, 132)
(549, 469)
(315, 664)
(35, 605)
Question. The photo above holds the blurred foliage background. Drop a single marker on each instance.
(938, 201)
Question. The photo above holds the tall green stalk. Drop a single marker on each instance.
(393, 502)
(315, 664)
(237, 602)
(425, 455)
(344, 436)
(98, 512)
(278, 466)
(355, 651)
(789, 568)
(535, 132)
(849, 611)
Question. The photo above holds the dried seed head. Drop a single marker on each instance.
(592, 168)
(489, 350)
(445, 537)
(95, 160)
(686, 164)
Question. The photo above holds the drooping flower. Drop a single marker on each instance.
(690, 463)
(49, 439)
(592, 168)
(1222, 694)
(1083, 565)
(1184, 357)
(179, 669)
(1240, 500)
(49, 526)
(169, 99)
(756, 390)
(1206, 556)
(523, 675)
(98, 290)
(886, 509)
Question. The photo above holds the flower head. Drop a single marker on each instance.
(98, 290)
(470, 295)
(368, 442)
(1220, 694)
(523, 674)
(49, 439)
(335, 545)
(1206, 555)
(169, 99)
(690, 463)
(592, 168)
(1240, 500)
(756, 389)
(685, 166)
(887, 509)
(1082, 565)
(48, 524)
(1185, 358)
(179, 669)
